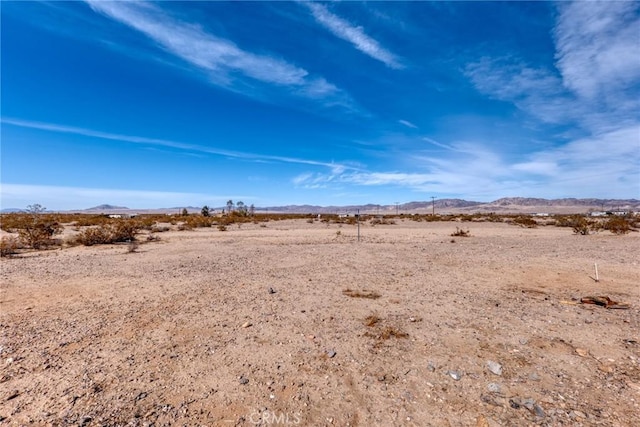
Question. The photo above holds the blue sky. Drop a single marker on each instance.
(163, 104)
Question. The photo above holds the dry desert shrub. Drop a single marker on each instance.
(461, 233)
(618, 225)
(525, 221)
(35, 227)
(121, 231)
(9, 246)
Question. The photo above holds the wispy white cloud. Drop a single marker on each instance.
(597, 47)
(355, 35)
(581, 168)
(407, 124)
(334, 167)
(225, 63)
(439, 144)
(596, 82)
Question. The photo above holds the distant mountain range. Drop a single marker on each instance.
(504, 205)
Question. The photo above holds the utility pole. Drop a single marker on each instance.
(433, 205)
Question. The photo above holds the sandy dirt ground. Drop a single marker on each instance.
(278, 324)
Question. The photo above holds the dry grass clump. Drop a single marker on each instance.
(390, 331)
(371, 320)
(461, 233)
(381, 332)
(9, 246)
(361, 294)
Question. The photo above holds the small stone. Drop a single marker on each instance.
(272, 291)
(494, 367)
(534, 376)
(455, 375)
(431, 367)
(494, 387)
(582, 352)
(528, 403)
(247, 324)
(412, 319)
(578, 414)
(331, 353)
(537, 409)
(243, 380)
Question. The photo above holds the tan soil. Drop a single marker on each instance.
(186, 332)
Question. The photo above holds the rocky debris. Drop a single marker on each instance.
(331, 354)
(272, 291)
(247, 324)
(530, 404)
(494, 367)
(242, 380)
(494, 387)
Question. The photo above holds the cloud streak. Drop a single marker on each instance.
(580, 168)
(597, 77)
(225, 63)
(345, 30)
(169, 144)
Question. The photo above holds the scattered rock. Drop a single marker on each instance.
(494, 387)
(494, 367)
(577, 414)
(456, 375)
(247, 324)
(431, 367)
(582, 352)
(331, 353)
(272, 291)
(243, 380)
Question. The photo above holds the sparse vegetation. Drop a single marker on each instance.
(618, 225)
(35, 228)
(525, 221)
(361, 294)
(9, 246)
(371, 320)
(460, 233)
(122, 231)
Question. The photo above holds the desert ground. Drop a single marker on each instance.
(299, 323)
